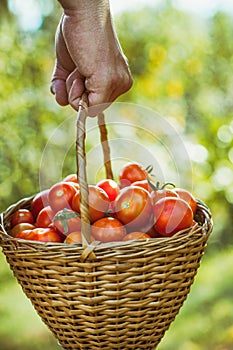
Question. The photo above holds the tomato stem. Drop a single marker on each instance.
(64, 216)
(158, 186)
(149, 169)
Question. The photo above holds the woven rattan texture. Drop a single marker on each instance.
(125, 298)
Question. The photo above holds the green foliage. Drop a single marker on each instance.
(205, 320)
(182, 68)
(28, 112)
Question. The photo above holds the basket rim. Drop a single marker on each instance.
(176, 241)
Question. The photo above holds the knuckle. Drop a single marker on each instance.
(120, 78)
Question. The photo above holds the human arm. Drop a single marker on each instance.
(88, 55)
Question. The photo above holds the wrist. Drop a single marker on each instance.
(81, 5)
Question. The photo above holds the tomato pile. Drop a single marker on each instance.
(132, 208)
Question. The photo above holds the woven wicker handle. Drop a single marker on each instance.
(105, 146)
(81, 170)
(81, 164)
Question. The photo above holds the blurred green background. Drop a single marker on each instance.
(182, 65)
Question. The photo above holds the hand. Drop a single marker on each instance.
(89, 57)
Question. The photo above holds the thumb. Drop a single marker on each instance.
(75, 88)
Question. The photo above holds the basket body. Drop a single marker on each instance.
(124, 298)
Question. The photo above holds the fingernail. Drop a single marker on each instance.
(52, 89)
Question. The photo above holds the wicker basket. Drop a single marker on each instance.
(120, 295)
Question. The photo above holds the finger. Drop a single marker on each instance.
(107, 90)
(99, 101)
(75, 88)
(58, 84)
(75, 93)
(58, 88)
(74, 75)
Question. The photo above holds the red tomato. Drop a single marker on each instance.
(20, 227)
(98, 202)
(108, 230)
(146, 226)
(41, 234)
(133, 207)
(66, 221)
(165, 192)
(144, 184)
(135, 235)
(172, 215)
(23, 234)
(22, 216)
(39, 202)
(153, 233)
(75, 237)
(194, 223)
(71, 178)
(110, 187)
(111, 210)
(45, 217)
(61, 195)
(188, 197)
(75, 184)
(132, 172)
